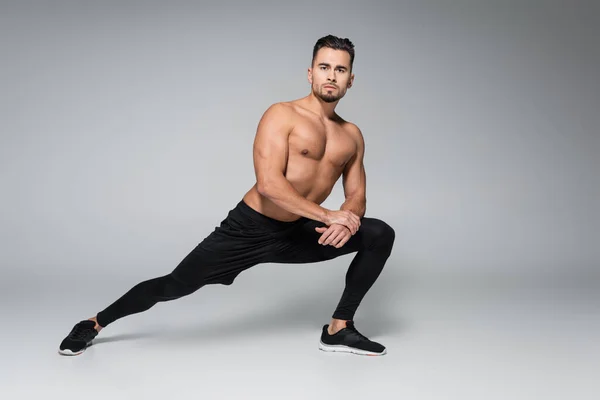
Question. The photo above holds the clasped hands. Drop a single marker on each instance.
(341, 225)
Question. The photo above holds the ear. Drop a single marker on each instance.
(310, 76)
(350, 81)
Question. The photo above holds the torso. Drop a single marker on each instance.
(318, 152)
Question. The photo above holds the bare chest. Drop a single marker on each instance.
(318, 143)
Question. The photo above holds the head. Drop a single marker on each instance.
(330, 74)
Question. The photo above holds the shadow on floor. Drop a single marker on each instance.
(290, 313)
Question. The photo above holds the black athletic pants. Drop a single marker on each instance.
(246, 238)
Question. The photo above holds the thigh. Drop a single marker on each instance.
(231, 248)
(302, 245)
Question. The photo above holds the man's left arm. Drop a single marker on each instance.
(355, 188)
(354, 179)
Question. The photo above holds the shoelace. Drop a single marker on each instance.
(352, 328)
(79, 332)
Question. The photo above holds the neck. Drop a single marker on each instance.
(324, 109)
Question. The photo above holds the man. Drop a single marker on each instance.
(301, 149)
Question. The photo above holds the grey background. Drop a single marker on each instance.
(127, 130)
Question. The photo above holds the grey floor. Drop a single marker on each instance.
(448, 338)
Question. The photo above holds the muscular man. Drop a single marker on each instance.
(301, 149)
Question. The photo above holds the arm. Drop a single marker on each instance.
(271, 151)
(355, 181)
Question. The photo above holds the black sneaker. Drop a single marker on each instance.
(81, 336)
(349, 340)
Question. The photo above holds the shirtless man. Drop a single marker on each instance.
(301, 149)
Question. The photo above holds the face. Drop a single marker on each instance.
(330, 75)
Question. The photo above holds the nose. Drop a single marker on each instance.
(331, 76)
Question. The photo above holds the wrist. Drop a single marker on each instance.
(356, 210)
(326, 217)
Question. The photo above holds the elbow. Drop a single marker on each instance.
(263, 188)
(269, 186)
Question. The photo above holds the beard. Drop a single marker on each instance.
(326, 96)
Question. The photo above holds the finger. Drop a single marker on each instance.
(341, 242)
(339, 238)
(343, 238)
(352, 227)
(358, 223)
(348, 223)
(333, 237)
(325, 235)
(333, 234)
(323, 229)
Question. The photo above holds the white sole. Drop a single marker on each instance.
(67, 352)
(340, 348)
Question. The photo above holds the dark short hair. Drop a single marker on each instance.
(336, 43)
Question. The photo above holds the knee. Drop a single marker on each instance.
(380, 234)
(171, 288)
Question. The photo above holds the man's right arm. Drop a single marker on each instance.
(271, 151)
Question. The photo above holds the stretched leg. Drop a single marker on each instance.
(139, 298)
(143, 296)
(236, 245)
(239, 243)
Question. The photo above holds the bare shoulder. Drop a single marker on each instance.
(354, 131)
(297, 108)
(352, 128)
(281, 109)
(278, 116)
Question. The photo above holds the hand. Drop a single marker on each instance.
(343, 217)
(335, 235)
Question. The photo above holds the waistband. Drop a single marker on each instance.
(263, 219)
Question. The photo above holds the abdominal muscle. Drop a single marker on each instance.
(313, 182)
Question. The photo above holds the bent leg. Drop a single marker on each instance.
(373, 244)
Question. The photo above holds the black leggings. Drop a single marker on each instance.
(246, 238)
